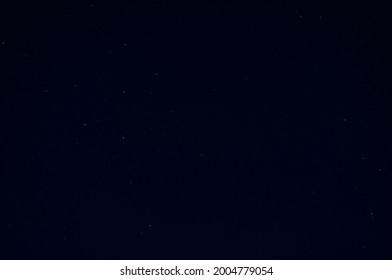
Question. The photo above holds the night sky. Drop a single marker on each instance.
(182, 130)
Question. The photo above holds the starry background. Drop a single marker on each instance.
(166, 130)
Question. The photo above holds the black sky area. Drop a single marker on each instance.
(189, 130)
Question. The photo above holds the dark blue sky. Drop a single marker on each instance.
(165, 130)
